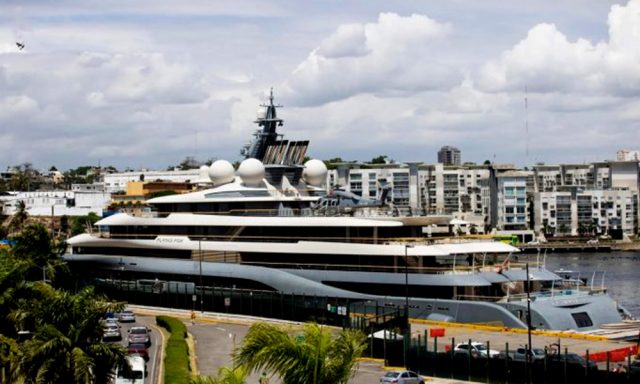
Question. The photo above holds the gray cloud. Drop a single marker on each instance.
(145, 84)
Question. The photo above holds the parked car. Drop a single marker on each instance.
(573, 359)
(634, 368)
(401, 377)
(127, 317)
(139, 335)
(134, 373)
(139, 349)
(520, 354)
(478, 350)
(111, 332)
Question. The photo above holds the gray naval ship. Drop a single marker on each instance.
(271, 225)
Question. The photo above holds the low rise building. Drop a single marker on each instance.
(117, 182)
(57, 203)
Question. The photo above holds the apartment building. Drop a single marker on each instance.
(512, 202)
(416, 189)
(575, 211)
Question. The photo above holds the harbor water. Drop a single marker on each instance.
(621, 272)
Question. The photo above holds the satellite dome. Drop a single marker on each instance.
(251, 171)
(315, 172)
(203, 174)
(261, 113)
(220, 172)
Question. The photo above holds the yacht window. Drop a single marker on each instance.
(582, 319)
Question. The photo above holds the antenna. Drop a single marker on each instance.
(526, 123)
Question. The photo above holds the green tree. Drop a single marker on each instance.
(563, 229)
(314, 357)
(35, 246)
(19, 217)
(226, 375)
(382, 159)
(64, 226)
(22, 177)
(80, 224)
(66, 345)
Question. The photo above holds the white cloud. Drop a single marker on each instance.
(17, 106)
(151, 77)
(393, 55)
(148, 83)
(547, 61)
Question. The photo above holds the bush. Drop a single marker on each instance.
(176, 359)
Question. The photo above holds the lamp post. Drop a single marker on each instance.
(529, 348)
(201, 287)
(407, 334)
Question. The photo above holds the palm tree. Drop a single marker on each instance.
(236, 375)
(34, 245)
(66, 345)
(19, 217)
(314, 357)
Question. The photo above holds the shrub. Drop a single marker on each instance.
(176, 359)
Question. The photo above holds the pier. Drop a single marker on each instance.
(565, 248)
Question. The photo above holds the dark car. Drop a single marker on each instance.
(139, 335)
(572, 359)
(139, 349)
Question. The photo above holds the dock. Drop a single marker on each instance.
(597, 346)
(564, 248)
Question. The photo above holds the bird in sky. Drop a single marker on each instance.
(20, 45)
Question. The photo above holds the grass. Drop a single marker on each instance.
(176, 360)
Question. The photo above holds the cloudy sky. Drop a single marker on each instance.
(147, 83)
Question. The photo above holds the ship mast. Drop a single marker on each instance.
(268, 135)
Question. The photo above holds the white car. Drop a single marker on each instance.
(127, 317)
(401, 377)
(111, 332)
(134, 373)
(478, 350)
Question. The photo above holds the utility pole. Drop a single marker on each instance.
(529, 347)
(201, 287)
(407, 336)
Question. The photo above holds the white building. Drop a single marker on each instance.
(57, 203)
(626, 155)
(576, 211)
(416, 189)
(512, 207)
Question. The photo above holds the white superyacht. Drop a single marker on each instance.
(270, 225)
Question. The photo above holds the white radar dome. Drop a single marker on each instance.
(203, 174)
(262, 113)
(315, 172)
(251, 171)
(221, 172)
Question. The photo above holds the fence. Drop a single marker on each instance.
(386, 326)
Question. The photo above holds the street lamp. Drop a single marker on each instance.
(201, 286)
(406, 300)
(406, 280)
(529, 349)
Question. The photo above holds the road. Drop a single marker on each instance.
(156, 342)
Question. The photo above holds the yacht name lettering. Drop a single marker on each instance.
(169, 240)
